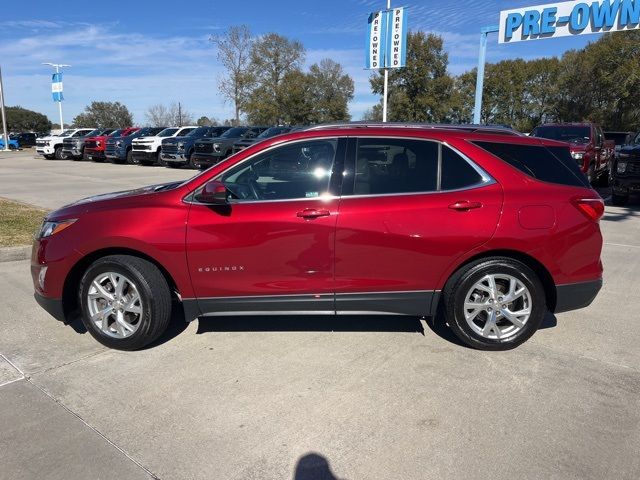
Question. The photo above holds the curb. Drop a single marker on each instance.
(12, 254)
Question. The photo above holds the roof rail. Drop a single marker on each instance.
(471, 128)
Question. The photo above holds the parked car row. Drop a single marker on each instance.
(192, 145)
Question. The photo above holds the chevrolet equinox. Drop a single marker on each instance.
(485, 227)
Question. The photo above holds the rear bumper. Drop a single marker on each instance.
(573, 296)
(53, 306)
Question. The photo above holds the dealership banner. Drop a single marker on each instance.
(563, 19)
(386, 39)
(56, 87)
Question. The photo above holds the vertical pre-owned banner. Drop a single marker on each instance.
(56, 87)
(397, 39)
(376, 40)
(386, 39)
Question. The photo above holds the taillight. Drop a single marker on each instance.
(592, 208)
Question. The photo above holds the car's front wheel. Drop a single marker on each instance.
(125, 302)
(58, 154)
(494, 304)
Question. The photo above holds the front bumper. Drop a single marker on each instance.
(53, 306)
(74, 152)
(206, 159)
(94, 155)
(144, 155)
(626, 185)
(48, 150)
(174, 157)
(573, 296)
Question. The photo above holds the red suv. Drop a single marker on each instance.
(489, 228)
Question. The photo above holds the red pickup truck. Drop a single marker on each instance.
(587, 144)
(94, 147)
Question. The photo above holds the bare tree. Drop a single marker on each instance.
(234, 52)
(175, 114)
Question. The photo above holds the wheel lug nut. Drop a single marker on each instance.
(504, 307)
(489, 309)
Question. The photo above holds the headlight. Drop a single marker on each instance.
(119, 143)
(97, 143)
(577, 155)
(622, 167)
(216, 147)
(51, 228)
(180, 146)
(623, 155)
(46, 144)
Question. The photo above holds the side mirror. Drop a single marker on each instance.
(213, 193)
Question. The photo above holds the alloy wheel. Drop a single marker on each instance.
(115, 305)
(497, 306)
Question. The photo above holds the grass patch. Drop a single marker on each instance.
(18, 223)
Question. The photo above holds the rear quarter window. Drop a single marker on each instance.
(547, 164)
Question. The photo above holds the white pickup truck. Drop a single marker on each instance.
(51, 145)
(146, 150)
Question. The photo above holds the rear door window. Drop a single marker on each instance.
(395, 166)
(548, 164)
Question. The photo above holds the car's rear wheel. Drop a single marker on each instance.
(125, 302)
(494, 304)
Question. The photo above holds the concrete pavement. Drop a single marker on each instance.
(262, 398)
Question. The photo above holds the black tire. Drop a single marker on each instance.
(619, 200)
(155, 298)
(130, 159)
(190, 162)
(58, 155)
(49, 157)
(462, 282)
(173, 164)
(591, 174)
(80, 158)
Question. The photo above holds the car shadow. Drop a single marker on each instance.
(313, 466)
(310, 323)
(439, 326)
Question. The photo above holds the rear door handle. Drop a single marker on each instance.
(465, 205)
(313, 213)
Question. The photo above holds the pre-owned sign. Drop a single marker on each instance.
(567, 19)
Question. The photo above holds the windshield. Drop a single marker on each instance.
(167, 132)
(184, 131)
(116, 133)
(619, 138)
(273, 131)
(198, 132)
(149, 131)
(66, 133)
(234, 132)
(571, 134)
(95, 133)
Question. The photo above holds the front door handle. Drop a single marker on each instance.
(465, 205)
(310, 213)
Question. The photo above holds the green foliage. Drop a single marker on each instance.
(281, 93)
(205, 121)
(421, 91)
(22, 120)
(104, 114)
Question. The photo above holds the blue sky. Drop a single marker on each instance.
(142, 53)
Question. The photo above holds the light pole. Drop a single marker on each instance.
(58, 66)
(4, 116)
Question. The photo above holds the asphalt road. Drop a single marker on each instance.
(354, 398)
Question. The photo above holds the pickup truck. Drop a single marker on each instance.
(268, 133)
(24, 139)
(625, 173)
(146, 150)
(209, 151)
(51, 146)
(118, 150)
(94, 147)
(587, 144)
(178, 151)
(73, 147)
(13, 144)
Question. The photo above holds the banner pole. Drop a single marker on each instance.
(386, 81)
(4, 116)
(60, 105)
